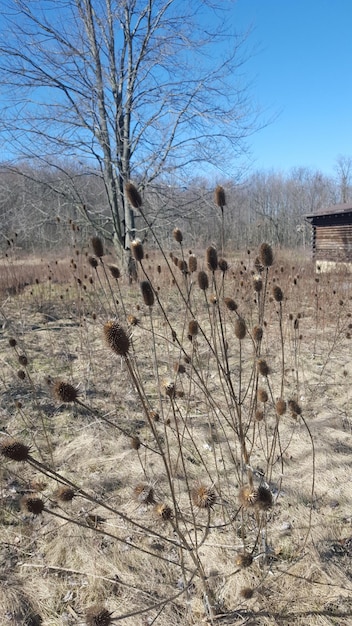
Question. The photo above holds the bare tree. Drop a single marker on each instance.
(128, 88)
(343, 169)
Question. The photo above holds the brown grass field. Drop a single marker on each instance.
(148, 473)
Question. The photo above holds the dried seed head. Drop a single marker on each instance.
(231, 304)
(240, 328)
(132, 320)
(144, 493)
(182, 266)
(244, 559)
(154, 415)
(266, 255)
(280, 406)
(219, 196)
(32, 504)
(203, 280)
(21, 374)
(212, 258)
(177, 235)
(93, 261)
(98, 616)
(137, 250)
(246, 496)
(262, 395)
(192, 263)
(259, 415)
(163, 511)
(168, 388)
(97, 246)
(263, 367)
(133, 195)
(294, 407)
(202, 496)
(213, 299)
(277, 293)
(257, 333)
(135, 443)
(64, 494)
(147, 293)
(14, 450)
(22, 359)
(65, 392)
(114, 271)
(246, 593)
(264, 498)
(223, 265)
(116, 338)
(12, 342)
(179, 368)
(193, 328)
(257, 284)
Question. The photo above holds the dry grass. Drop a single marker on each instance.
(168, 524)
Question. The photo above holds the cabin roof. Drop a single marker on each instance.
(335, 209)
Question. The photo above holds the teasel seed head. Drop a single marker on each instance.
(93, 261)
(21, 374)
(280, 406)
(137, 250)
(193, 328)
(259, 415)
(168, 388)
(32, 504)
(219, 196)
(147, 292)
(263, 367)
(14, 450)
(203, 496)
(97, 246)
(212, 258)
(179, 368)
(203, 281)
(12, 342)
(262, 395)
(266, 255)
(154, 415)
(244, 559)
(223, 265)
(182, 266)
(65, 392)
(246, 496)
(257, 284)
(240, 328)
(231, 304)
(177, 234)
(97, 615)
(192, 263)
(246, 593)
(144, 494)
(135, 443)
(213, 299)
(133, 320)
(294, 407)
(64, 494)
(278, 294)
(264, 498)
(257, 333)
(116, 338)
(133, 195)
(22, 359)
(114, 271)
(164, 511)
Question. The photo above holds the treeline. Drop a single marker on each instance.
(48, 208)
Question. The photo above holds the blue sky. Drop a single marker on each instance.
(302, 71)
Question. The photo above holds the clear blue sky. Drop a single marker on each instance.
(302, 70)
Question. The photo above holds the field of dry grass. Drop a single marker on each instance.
(175, 453)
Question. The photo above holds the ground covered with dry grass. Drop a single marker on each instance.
(175, 450)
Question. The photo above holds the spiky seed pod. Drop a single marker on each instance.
(212, 258)
(213, 299)
(257, 333)
(168, 388)
(202, 496)
(147, 292)
(22, 359)
(294, 407)
(93, 262)
(65, 392)
(244, 559)
(259, 415)
(97, 246)
(203, 281)
(266, 255)
(21, 374)
(133, 195)
(223, 265)
(12, 342)
(219, 196)
(137, 250)
(32, 504)
(98, 616)
(257, 284)
(179, 368)
(132, 320)
(231, 304)
(246, 593)
(278, 294)
(163, 511)
(144, 493)
(177, 234)
(280, 406)
(182, 266)
(135, 443)
(263, 499)
(64, 494)
(246, 496)
(192, 263)
(154, 415)
(116, 338)
(193, 328)
(240, 328)
(14, 450)
(262, 395)
(263, 367)
(114, 271)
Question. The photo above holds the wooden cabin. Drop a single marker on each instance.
(332, 237)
